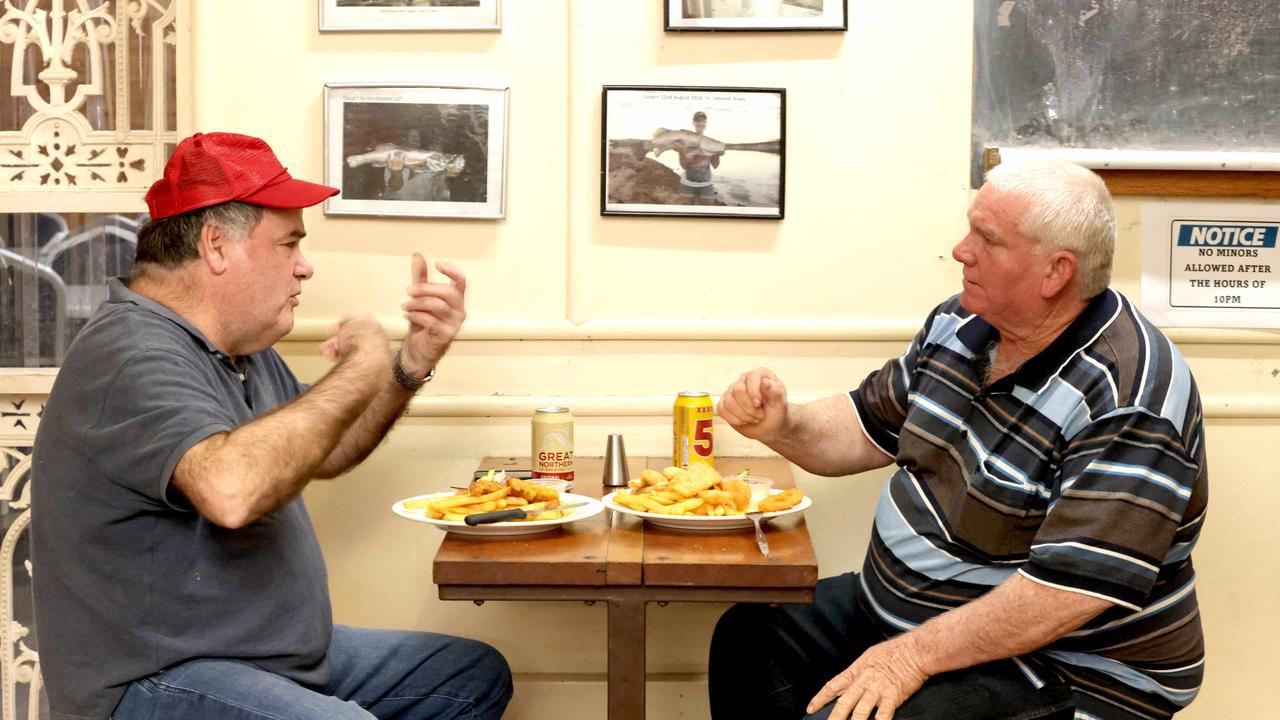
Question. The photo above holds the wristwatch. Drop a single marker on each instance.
(407, 381)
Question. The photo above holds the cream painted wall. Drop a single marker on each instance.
(617, 314)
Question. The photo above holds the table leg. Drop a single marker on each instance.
(626, 659)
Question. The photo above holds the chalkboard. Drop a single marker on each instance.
(1127, 74)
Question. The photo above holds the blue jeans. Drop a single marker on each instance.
(385, 674)
(768, 662)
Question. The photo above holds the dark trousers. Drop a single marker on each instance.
(768, 662)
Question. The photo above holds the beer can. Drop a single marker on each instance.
(552, 449)
(691, 429)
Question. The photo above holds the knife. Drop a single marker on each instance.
(514, 514)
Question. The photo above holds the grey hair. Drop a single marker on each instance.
(1069, 208)
(174, 241)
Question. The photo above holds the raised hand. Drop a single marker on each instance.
(435, 311)
(358, 338)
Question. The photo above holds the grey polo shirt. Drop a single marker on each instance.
(128, 579)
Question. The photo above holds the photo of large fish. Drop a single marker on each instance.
(685, 141)
(688, 141)
(422, 160)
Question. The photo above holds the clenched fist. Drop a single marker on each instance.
(756, 405)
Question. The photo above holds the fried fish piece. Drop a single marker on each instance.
(716, 497)
(697, 478)
(740, 491)
(648, 480)
(718, 503)
(533, 492)
(782, 501)
(484, 486)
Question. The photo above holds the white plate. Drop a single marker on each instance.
(517, 527)
(702, 522)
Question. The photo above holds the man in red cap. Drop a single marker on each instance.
(180, 576)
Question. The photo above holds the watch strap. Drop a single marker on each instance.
(406, 380)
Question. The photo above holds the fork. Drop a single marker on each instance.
(755, 516)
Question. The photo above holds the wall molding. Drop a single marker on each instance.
(644, 329)
(782, 329)
(39, 382)
(1217, 407)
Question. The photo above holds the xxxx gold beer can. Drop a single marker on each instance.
(691, 429)
(553, 443)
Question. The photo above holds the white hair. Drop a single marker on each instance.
(1068, 208)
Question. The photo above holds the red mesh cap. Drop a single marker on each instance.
(211, 168)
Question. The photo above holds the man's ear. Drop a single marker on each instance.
(214, 241)
(1060, 273)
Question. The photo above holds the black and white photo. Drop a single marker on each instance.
(416, 150)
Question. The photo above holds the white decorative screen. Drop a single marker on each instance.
(21, 694)
(94, 94)
(90, 105)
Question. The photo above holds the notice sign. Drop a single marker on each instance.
(1211, 265)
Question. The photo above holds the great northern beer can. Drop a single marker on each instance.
(552, 449)
(691, 429)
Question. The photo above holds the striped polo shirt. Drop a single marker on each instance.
(1083, 470)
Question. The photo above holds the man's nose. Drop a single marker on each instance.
(303, 269)
(960, 253)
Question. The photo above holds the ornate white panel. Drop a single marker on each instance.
(94, 86)
(19, 418)
(92, 95)
(20, 683)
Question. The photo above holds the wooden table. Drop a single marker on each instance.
(620, 560)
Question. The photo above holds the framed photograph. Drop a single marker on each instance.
(693, 151)
(410, 15)
(416, 150)
(756, 15)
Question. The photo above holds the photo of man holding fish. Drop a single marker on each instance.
(736, 171)
(698, 154)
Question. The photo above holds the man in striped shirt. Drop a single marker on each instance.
(1031, 555)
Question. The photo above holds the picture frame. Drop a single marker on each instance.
(363, 15)
(755, 15)
(728, 154)
(416, 150)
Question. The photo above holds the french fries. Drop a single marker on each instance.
(643, 503)
(482, 497)
(684, 507)
(699, 490)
